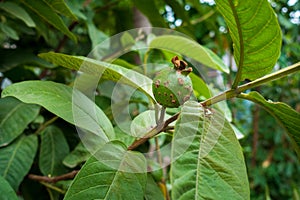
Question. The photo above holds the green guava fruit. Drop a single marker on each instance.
(172, 87)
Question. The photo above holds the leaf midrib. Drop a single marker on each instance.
(53, 153)
(10, 161)
(241, 42)
(78, 107)
(10, 113)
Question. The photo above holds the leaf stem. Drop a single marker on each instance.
(203, 17)
(271, 77)
(54, 179)
(44, 125)
(53, 187)
(235, 92)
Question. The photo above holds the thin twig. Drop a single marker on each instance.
(203, 17)
(54, 179)
(53, 187)
(62, 42)
(44, 125)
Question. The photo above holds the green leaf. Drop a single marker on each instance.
(152, 190)
(16, 159)
(9, 32)
(286, 116)
(6, 191)
(106, 70)
(296, 193)
(149, 9)
(255, 33)
(123, 63)
(76, 8)
(79, 155)
(65, 102)
(127, 40)
(48, 14)
(88, 145)
(96, 36)
(203, 91)
(209, 162)
(14, 118)
(54, 148)
(123, 136)
(143, 123)
(13, 57)
(18, 12)
(61, 7)
(200, 88)
(190, 49)
(112, 173)
(179, 11)
(239, 135)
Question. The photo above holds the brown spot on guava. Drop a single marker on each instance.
(185, 98)
(157, 83)
(180, 81)
(188, 87)
(166, 83)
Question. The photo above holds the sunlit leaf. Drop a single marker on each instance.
(255, 33)
(209, 162)
(67, 103)
(190, 49)
(106, 70)
(112, 173)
